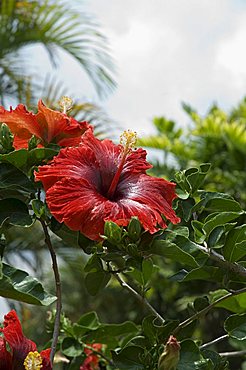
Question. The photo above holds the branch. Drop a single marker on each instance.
(217, 340)
(207, 309)
(58, 290)
(233, 354)
(140, 298)
(231, 266)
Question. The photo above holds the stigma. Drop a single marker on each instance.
(33, 361)
(65, 103)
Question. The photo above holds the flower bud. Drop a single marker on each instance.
(134, 229)
(170, 357)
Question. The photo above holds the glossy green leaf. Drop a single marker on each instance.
(17, 284)
(11, 178)
(219, 219)
(235, 244)
(38, 155)
(235, 304)
(170, 250)
(71, 347)
(113, 232)
(14, 212)
(17, 158)
(198, 231)
(134, 229)
(147, 269)
(130, 358)
(96, 281)
(206, 273)
(89, 320)
(190, 357)
(235, 325)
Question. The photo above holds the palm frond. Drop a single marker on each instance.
(57, 27)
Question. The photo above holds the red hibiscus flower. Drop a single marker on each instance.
(92, 360)
(100, 181)
(47, 125)
(24, 354)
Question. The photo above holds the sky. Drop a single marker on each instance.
(166, 52)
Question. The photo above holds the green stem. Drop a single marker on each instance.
(188, 321)
(139, 297)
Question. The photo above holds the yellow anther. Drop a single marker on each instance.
(65, 103)
(33, 361)
(128, 139)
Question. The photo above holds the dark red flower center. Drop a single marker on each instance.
(127, 140)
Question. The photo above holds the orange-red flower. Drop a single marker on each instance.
(100, 181)
(92, 359)
(23, 351)
(48, 125)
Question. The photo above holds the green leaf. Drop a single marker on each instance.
(38, 155)
(94, 264)
(70, 237)
(134, 229)
(14, 212)
(170, 250)
(129, 358)
(190, 357)
(96, 281)
(113, 232)
(235, 244)
(71, 347)
(17, 284)
(89, 320)
(216, 202)
(207, 273)
(17, 158)
(219, 219)
(235, 304)
(14, 183)
(147, 269)
(198, 231)
(235, 325)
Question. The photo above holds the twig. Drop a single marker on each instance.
(233, 354)
(58, 290)
(207, 309)
(140, 298)
(217, 340)
(215, 256)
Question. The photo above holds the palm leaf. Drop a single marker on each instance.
(57, 27)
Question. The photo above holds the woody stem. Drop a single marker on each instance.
(58, 290)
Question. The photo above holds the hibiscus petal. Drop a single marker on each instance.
(19, 344)
(21, 122)
(46, 359)
(78, 204)
(73, 163)
(60, 128)
(5, 356)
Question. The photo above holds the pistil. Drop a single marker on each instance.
(128, 140)
(65, 104)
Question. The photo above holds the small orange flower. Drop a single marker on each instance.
(48, 125)
(92, 360)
